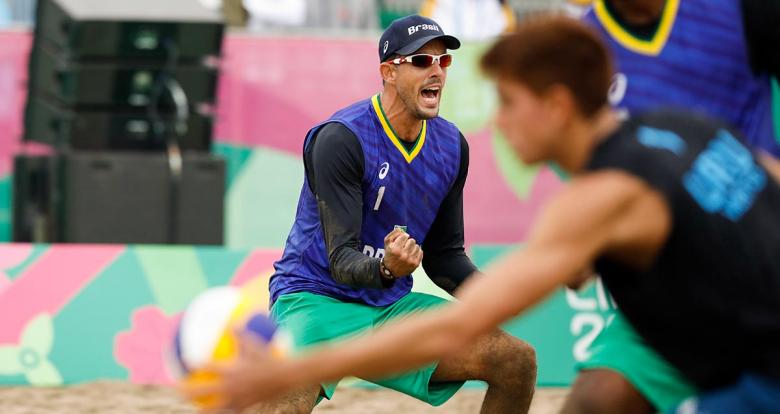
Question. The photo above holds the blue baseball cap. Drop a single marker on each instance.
(410, 33)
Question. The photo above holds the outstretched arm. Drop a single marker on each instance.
(587, 219)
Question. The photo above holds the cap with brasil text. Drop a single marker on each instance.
(408, 34)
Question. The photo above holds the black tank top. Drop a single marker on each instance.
(710, 303)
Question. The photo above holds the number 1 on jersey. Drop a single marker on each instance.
(379, 197)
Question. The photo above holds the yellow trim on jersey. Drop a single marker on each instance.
(650, 47)
(408, 156)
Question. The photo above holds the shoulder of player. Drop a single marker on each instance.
(335, 140)
(594, 209)
(353, 112)
(336, 133)
(605, 191)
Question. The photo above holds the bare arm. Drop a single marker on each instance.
(588, 218)
(771, 164)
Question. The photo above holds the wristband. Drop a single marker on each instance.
(384, 271)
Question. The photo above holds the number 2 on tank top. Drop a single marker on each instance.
(379, 197)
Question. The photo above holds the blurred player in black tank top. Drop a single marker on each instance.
(713, 288)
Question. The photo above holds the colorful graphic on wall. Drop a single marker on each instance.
(76, 313)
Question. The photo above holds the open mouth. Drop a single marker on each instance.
(430, 95)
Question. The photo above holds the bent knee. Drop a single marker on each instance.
(511, 357)
(515, 350)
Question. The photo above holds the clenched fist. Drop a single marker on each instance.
(402, 253)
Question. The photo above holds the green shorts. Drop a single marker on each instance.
(619, 348)
(315, 319)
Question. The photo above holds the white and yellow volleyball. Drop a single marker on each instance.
(210, 329)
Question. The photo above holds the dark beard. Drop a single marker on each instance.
(411, 103)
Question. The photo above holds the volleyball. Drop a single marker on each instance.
(210, 331)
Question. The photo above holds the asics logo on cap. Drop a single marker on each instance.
(414, 29)
(387, 44)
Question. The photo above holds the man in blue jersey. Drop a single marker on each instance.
(711, 56)
(674, 211)
(383, 194)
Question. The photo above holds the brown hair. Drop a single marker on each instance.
(553, 49)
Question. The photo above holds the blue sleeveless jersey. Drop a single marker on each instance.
(400, 188)
(697, 59)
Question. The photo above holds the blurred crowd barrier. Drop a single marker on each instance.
(329, 15)
(17, 12)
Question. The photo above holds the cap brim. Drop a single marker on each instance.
(450, 42)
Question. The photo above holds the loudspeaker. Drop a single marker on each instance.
(114, 84)
(126, 198)
(109, 199)
(100, 130)
(97, 65)
(139, 29)
(118, 198)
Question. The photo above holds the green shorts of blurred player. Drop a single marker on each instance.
(620, 349)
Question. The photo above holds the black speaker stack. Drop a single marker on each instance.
(122, 94)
